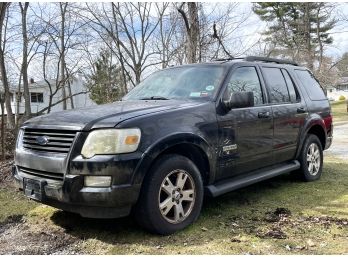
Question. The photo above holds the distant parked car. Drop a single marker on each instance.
(184, 132)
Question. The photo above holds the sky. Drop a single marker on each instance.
(252, 29)
(339, 33)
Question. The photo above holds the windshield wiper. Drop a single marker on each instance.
(154, 98)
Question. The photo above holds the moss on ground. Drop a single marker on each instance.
(250, 220)
(13, 204)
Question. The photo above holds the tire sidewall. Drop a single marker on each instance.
(304, 165)
(160, 170)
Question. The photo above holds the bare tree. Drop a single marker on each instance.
(191, 21)
(7, 97)
(24, 10)
(168, 24)
(131, 27)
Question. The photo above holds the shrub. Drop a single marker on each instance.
(342, 97)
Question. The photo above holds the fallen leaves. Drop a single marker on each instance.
(274, 233)
(310, 243)
(6, 171)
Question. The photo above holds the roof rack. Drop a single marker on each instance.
(266, 59)
(259, 59)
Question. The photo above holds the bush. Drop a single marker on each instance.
(342, 97)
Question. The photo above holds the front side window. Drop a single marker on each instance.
(36, 97)
(276, 85)
(190, 82)
(245, 79)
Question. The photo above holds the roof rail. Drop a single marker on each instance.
(257, 59)
(227, 59)
(266, 59)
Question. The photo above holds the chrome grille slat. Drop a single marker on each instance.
(43, 174)
(59, 141)
(72, 134)
(50, 143)
(51, 138)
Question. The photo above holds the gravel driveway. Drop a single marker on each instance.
(339, 147)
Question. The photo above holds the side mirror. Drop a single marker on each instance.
(240, 100)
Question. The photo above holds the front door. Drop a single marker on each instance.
(245, 134)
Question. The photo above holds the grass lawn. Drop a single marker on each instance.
(313, 221)
(339, 111)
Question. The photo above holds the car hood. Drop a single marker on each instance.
(106, 115)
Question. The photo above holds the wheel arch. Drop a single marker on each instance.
(189, 145)
(316, 127)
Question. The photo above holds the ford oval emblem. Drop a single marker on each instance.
(42, 140)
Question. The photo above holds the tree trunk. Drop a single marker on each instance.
(18, 100)
(25, 60)
(192, 30)
(10, 118)
(69, 90)
(2, 129)
(63, 7)
(307, 25)
(321, 48)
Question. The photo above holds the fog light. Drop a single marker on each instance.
(97, 181)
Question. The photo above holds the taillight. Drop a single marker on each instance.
(328, 122)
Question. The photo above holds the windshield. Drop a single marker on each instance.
(179, 83)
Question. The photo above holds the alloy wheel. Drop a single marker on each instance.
(313, 159)
(176, 196)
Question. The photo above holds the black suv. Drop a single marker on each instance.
(182, 133)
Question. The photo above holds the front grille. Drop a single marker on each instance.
(42, 174)
(57, 141)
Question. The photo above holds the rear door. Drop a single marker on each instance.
(245, 134)
(289, 111)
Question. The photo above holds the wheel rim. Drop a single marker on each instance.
(313, 159)
(176, 196)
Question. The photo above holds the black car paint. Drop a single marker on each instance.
(205, 125)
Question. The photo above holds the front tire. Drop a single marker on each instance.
(311, 159)
(171, 197)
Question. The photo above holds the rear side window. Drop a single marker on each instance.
(278, 91)
(311, 85)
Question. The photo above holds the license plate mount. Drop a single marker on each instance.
(33, 189)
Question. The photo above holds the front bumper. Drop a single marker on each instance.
(71, 195)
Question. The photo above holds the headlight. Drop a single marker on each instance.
(19, 141)
(111, 141)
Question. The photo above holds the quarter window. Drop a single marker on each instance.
(36, 97)
(245, 79)
(278, 90)
(311, 85)
(294, 96)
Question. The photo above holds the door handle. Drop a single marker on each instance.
(301, 110)
(264, 115)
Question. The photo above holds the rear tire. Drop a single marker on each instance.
(311, 159)
(171, 197)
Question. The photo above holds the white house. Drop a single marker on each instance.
(340, 89)
(40, 94)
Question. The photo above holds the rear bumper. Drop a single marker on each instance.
(328, 142)
(71, 195)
